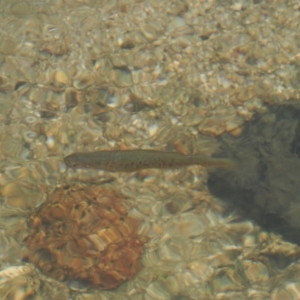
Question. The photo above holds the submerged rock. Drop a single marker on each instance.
(264, 185)
(84, 235)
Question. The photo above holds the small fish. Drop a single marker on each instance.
(135, 160)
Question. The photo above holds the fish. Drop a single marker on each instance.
(135, 160)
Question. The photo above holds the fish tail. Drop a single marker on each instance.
(224, 163)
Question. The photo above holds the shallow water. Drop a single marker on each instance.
(83, 76)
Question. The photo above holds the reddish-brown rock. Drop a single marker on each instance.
(85, 234)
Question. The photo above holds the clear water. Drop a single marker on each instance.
(80, 76)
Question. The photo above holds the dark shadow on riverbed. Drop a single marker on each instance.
(265, 184)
